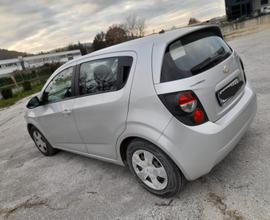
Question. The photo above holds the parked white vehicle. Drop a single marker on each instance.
(265, 9)
(170, 106)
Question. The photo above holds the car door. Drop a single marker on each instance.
(101, 110)
(55, 116)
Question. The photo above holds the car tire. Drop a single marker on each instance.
(42, 143)
(153, 169)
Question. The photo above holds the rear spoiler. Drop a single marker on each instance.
(204, 28)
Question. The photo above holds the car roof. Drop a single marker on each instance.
(160, 39)
(133, 45)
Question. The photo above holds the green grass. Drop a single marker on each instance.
(8, 102)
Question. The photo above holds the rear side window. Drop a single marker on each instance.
(104, 75)
(193, 54)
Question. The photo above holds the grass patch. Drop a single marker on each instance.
(8, 102)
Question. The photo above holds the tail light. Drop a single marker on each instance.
(185, 106)
(199, 116)
(187, 102)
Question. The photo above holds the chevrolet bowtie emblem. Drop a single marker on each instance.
(225, 69)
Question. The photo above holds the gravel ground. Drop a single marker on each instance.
(68, 186)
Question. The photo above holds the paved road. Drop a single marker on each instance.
(68, 186)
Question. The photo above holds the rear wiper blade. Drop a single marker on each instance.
(220, 51)
(210, 61)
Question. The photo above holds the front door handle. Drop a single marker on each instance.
(67, 112)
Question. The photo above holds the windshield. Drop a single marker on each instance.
(187, 57)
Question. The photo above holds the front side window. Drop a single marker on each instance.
(60, 87)
(192, 55)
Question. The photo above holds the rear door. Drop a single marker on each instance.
(101, 109)
(204, 63)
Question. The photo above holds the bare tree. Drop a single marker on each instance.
(130, 25)
(140, 26)
(134, 26)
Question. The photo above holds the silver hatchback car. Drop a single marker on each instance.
(170, 106)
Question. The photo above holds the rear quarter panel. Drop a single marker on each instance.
(147, 116)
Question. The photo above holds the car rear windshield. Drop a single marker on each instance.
(193, 54)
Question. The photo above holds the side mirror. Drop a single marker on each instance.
(33, 103)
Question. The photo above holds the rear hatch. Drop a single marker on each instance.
(202, 62)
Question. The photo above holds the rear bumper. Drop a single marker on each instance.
(196, 150)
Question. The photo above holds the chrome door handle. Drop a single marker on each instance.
(67, 112)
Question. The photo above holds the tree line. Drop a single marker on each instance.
(132, 28)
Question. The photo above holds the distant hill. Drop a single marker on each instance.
(9, 54)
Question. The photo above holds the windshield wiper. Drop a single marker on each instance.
(209, 62)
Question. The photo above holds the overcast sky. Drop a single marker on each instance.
(36, 25)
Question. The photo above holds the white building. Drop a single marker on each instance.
(10, 65)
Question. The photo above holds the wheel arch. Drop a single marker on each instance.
(123, 147)
(125, 142)
(30, 125)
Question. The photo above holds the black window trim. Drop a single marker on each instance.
(72, 86)
(77, 75)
